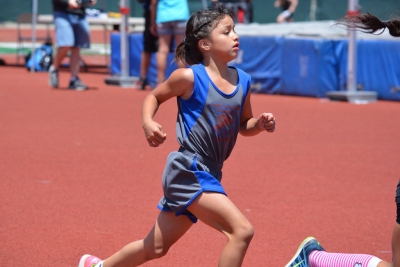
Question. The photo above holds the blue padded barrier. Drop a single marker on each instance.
(135, 42)
(378, 67)
(309, 67)
(261, 58)
(295, 66)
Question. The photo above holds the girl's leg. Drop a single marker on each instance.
(396, 231)
(217, 211)
(395, 246)
(328, 259)
(164, 42)
(165, 232)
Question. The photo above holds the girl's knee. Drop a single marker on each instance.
(244, 232)
(156, 252)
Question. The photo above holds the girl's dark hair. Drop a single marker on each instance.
(198, 27)
(369, 23)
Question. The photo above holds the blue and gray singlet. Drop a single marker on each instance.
(208, 122)
(207, 127)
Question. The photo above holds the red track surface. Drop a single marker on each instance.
(77, 175)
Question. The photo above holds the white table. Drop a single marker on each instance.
(136, 24)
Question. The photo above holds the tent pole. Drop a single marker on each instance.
(351, 94)
(352, 50)
(34, 17)
(124, 80)
(204, 4)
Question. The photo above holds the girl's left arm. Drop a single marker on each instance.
(250, 126)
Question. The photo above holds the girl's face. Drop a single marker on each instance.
(224, 42)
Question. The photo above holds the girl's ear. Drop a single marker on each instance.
(204, 44)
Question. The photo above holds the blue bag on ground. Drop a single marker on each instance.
(42, 58)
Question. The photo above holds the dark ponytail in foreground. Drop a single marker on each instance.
(369, 23)
(199, 27)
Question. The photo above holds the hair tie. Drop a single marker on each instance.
(385, 23)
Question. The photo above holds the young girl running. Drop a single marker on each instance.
(310, 253)
(213, 107)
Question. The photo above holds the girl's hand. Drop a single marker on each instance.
(266, 122)
(154, 133)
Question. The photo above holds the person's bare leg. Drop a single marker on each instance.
(162, 55)
(166, 231)
(60, 55)
(217, 211)
(144, 67)
(178, 40)
(74, 61)
(144, 63)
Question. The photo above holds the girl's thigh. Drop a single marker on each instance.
(219, 212)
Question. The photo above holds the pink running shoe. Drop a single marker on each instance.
(88, 261)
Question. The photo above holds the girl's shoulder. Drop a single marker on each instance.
(182, 76)
(181, 81)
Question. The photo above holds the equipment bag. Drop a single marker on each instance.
(42, 58)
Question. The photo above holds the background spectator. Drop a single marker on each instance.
(150, 46)
(168, 19)
(288, 8)
(243, 9)
(72, 34)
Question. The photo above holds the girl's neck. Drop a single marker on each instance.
(223, 77)
(220, 68)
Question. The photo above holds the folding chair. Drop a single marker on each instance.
(26, 18)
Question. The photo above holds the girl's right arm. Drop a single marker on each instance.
(180, 83)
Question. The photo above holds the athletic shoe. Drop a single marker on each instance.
(88, 261)
(53, 77)
(300, 259)
(77, 85)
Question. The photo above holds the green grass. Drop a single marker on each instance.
(96, 49)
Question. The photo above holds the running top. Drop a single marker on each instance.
(172, 10)
(208, 122)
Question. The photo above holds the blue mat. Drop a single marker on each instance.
(295, 66)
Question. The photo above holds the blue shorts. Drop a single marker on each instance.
(71, 30)
(172, 28)
(186, 176)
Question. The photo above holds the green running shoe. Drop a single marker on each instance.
(300, 259)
